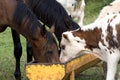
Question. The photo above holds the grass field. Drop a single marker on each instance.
(7, 60)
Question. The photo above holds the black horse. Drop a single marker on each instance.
(16, 15)
(52, 13)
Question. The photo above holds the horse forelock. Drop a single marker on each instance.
(51, 38)
(51, 46)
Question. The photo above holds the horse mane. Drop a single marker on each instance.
(51, 12)
(30, 20)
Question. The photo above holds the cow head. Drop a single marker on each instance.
(71, 46)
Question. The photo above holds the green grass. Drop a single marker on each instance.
(94, 73)
(7, 60)
(92, 9)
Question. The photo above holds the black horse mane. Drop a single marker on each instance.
(23, 12)
(51, 12)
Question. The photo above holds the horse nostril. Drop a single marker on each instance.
(63, 47)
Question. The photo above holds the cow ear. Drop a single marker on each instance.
(66, 37)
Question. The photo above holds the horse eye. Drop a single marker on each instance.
(50, 51)
(72, 4)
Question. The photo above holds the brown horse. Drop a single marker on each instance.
(19, 17)
(51, 13)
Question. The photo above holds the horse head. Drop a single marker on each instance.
(50, 48)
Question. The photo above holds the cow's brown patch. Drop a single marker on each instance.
(118, 34)
(91, 37)
(111, 38)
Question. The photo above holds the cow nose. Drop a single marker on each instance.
(61, 59)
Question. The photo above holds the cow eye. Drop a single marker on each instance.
(63, 47)
(78, 41)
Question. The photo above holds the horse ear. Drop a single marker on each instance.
(43, 32)
(52, 29)
(67, 22)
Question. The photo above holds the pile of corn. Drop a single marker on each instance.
(43, 72)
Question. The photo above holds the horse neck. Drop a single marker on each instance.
(48, 11)
(25, 22)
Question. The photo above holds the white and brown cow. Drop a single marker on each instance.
(102, 38)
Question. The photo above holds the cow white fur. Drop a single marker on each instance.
(101, 38)
(75, 9)
(112, 8)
